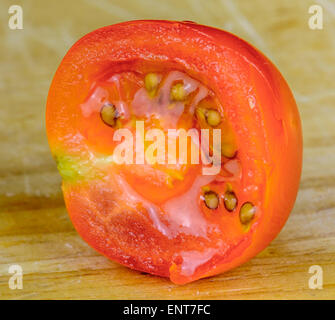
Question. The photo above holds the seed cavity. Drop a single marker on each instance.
(247, 213)
(108, 114)
(230, 200)
(178, 92)
(211, 200)
(151, 82)
(213, 117)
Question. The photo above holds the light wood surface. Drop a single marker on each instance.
(35, 231)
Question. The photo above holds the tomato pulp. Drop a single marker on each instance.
(140, 80)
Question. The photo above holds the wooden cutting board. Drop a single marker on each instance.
(35, 231)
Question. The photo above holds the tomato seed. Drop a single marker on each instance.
(228, 150)
(211, 200)
(230, 200)
(108, 114)
(151, 82)
(247, 212)
(178, 92)
(213, 117)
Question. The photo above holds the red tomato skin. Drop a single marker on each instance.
(231, 68)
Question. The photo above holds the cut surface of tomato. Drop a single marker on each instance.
(126, 115)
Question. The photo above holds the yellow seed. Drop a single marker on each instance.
(205, 189)
(213, 117)
(108, 114)
(247, 213)
(229, 187)
(228, 150)
(211, 200)
(151, 82)
(178, 92)
(230, 200)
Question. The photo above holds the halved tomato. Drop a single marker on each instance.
(117, 101)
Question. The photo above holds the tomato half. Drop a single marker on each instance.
(169, 218)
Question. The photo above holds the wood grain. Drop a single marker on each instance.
(35, 231)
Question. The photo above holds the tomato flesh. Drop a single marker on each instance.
(171, 219)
